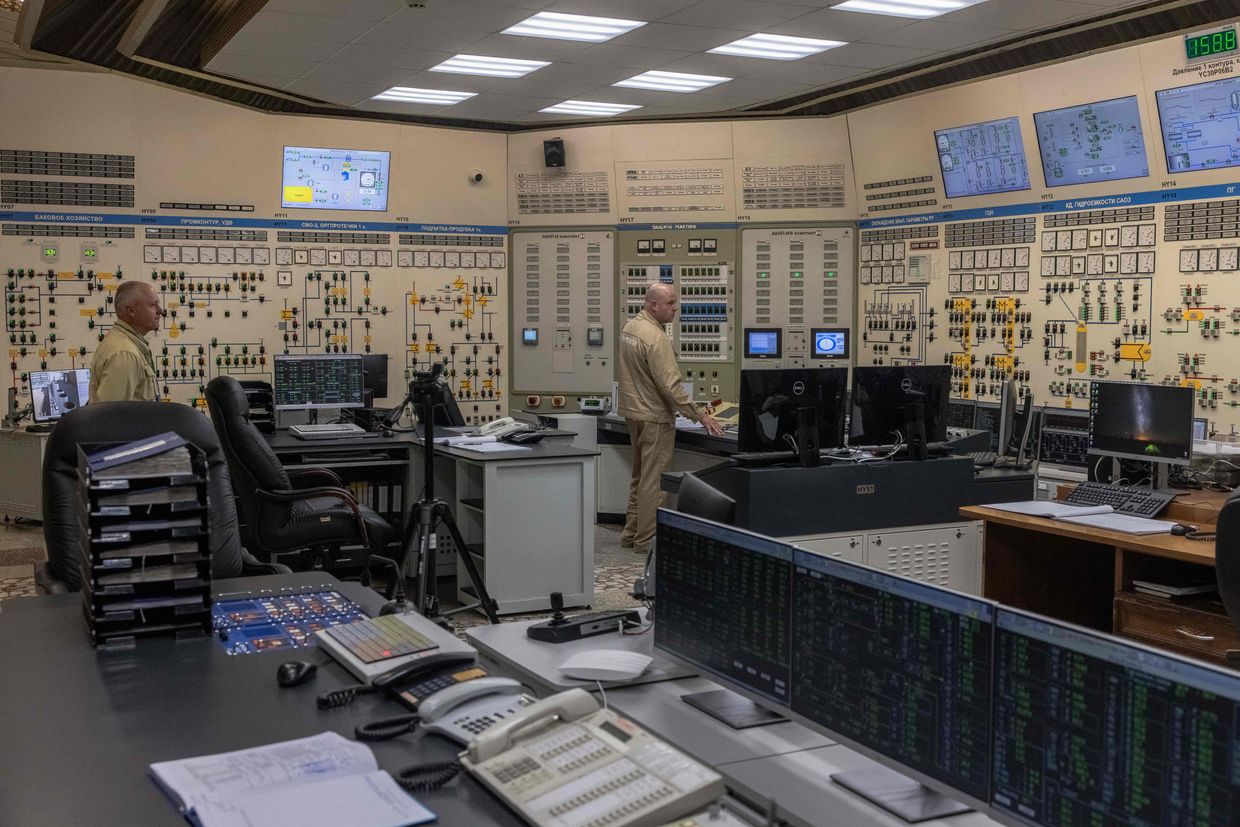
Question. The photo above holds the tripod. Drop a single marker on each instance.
(429, 514)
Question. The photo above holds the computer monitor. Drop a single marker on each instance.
(1198, 123)
(982, 158)
(781, 410)
(53, 393)
(828, 343)
(724, 599)
(1093, 730)
(316, 381)
(1100, 141)
(896, 668)
(763, 343)
(1132, 420)
(445, 410)
(899, 402)
(961, 413)
(700, 499)
(375, 374)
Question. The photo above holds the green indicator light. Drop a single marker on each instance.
(830, 274)
(762, 274)
(796, 274)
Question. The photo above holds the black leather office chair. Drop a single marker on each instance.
(308, 527)
(1227, 562)
(126, 422)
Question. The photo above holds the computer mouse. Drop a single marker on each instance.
(524, 437)
(295, 672)
(1180, 529)
(389, 434)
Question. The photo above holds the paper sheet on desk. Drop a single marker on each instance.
(1121, 522)
(370, 800)
(683, 424)
(1049, 508)
(493, 448)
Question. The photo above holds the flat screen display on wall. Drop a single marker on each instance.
(1201, 125)
(1099, 141)
(982, 158)
(334, 179)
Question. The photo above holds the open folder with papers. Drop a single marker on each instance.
(1097, 516)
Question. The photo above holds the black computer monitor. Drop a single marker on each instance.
(894, 667)
(446, 412)
(53, 393)
(315, 381)
(892, 403)
(961, 413)
(375, 374)
(764, 343)
(1131, 420)
(771, 405)
(699, 499)
(1093, 730)
(724, 599)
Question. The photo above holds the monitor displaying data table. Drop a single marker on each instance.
(982, 158)
(312, 381)
(1099, 141)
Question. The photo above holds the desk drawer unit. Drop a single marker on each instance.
(1193, 627)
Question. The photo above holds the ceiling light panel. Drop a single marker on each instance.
(590, 108)
(672, 81)
(573, 27)
(495, 67)
(920, 9)
(409, 94)
(776, 47)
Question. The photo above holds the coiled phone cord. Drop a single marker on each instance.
(419, 778)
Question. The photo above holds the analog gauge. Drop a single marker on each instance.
(284, 256)
(1093, 264)
(318, 257)
(992, 281)
(421, 258)
(335, 257)
(1127, 264)
(436, 258)
(467, 259)
(1080, 239)
(189, 255)
(994, 259)
(1022, 257)
(152, 254)
(368, 258)
(1063, 241)
(1207, 260)
(299, 257)
(1063, 265)
(1048, 241)
(1227, 258)
(1128, 235)
(953, 282)
(224, 255)
(1078, 265)
(1007, 282)
(953, 260)
(262, 255)
(451, 259)
(352, 258)
(244, 255)
(404, 258)
(1188, 261)
(966, 259)
(1146, 235)
(1110, 237)
(1048, 265)
(384, 258)
(1145, 263)
(1110, 264)
(206, 255)
(1009, 257)
(1095, 238)
(1022, 281)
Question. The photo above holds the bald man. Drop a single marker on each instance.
(650, 396)
(123, 369)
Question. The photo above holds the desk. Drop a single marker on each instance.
(80, 728)
(695, 450)
(1084, 575)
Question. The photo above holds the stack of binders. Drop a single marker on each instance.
(146, 562)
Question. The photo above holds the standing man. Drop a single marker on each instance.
(650, 395)
(123, 369)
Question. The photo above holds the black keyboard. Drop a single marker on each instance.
(759, 458)
(983, 458)
(1139, 502)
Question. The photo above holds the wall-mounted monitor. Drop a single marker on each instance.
(763, 343)
(334, 179)
(829, 343)
(1099, 141)
(982, 158)
(1200, 125)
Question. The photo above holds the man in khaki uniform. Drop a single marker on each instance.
(123, 369)
(650, 395)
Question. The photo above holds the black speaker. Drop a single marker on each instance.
(553, 153)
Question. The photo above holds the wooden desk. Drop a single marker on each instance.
(1084, 575)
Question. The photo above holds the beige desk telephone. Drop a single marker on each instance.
(565, 762)
(504, 427)
(727, 414)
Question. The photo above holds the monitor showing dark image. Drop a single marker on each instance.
(890, 400)
(1137, 421)
(771, 401)
(375, 374)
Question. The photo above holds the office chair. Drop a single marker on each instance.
(1227, 562)
(126, 422)
(305, 517)
(699, 499)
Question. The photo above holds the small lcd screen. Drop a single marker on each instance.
(1138, 421)
(318, 381)
(1201, 429)
(829, 343)
(334, 179)
(982, 158)
(1099, 141)
(1200, 129)
(529, 335)
(763, 344)
(53, 393)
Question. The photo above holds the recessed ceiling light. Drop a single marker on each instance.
(906, 8)
(776, 46)
(671, 81)
(590, 108)
(409, 94)
(496, 67)
(573, 27)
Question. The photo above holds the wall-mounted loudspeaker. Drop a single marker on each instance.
(553, 153)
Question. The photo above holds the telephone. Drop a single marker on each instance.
(502, 428)
(565, 761)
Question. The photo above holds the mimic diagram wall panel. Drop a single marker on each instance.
(793, 172)
(700, 262)
(797, 287)
(562, 313)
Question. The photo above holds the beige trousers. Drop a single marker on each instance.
(653, 443)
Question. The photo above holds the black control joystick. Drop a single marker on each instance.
(557, 606)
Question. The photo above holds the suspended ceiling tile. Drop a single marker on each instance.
(808, 74)
(455, 14)
(345, 94)
(413, 37)
(870, 55)
(309, 27)
(847, 26)
(385, 77)
(634, 57)
(413, 60)
(286, 48)
(255, 65)
(1019, 15)
(750, 91)
(501, 106)
(532, 86)
(728, 66)
(455, 82)
(737, 14)
(942, 34)
(645, 10)
(687, 38)
(402, 108)
(595, 74)
(527, 48)
(344, 9)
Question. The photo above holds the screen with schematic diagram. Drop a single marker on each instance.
(1099, 141)
(982, 158)
(334, 179)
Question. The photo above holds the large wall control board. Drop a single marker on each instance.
(700, 262)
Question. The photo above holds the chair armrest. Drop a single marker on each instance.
(46, 582)
(298, 475)
(341, 494)
(252, 566)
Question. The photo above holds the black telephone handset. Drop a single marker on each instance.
(426, 675)
(391, 682)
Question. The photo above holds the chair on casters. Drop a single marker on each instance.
(306, 517)
(126, 422)
(1227, 562)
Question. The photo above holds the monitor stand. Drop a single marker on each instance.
(732, 709)
(807, 437)
(915, 431)
(898, 794)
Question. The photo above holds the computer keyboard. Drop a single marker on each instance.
(1125, 499)
(330, 431)
(380, 638)
(983, 458)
